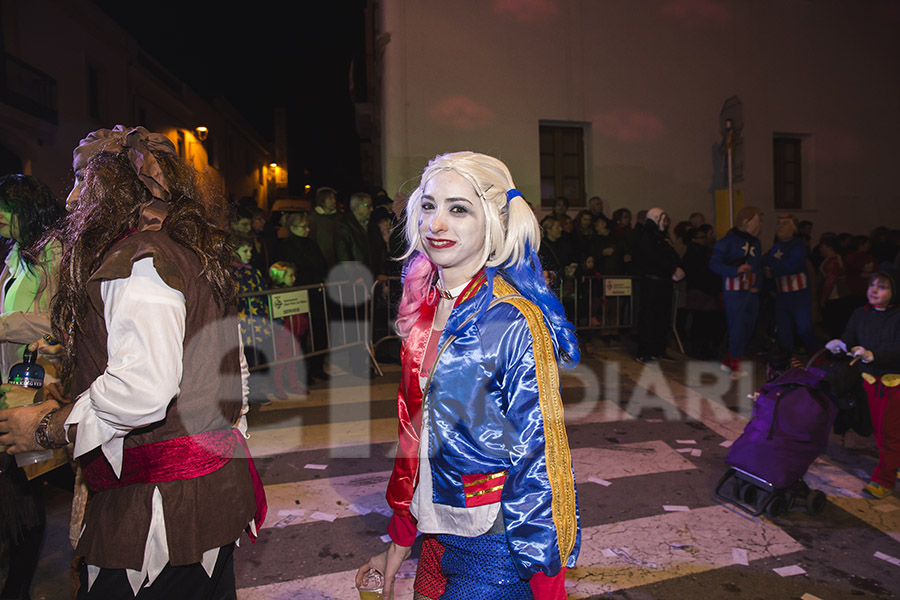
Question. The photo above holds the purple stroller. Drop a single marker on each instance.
(792, 420)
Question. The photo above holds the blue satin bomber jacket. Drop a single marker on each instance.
(495, 416)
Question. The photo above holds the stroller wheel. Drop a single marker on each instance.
(815, 502)
(800, 488)
(748, 494)
(777, 505)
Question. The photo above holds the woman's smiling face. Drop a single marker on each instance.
(452, 227)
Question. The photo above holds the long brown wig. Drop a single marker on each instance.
(109, 208)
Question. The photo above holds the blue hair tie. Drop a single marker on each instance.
(512, 194)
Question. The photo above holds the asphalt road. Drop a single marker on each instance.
(648, 445)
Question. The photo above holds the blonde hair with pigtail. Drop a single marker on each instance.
(511, 224)
(512, 239)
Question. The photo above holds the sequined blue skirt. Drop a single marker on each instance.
(452, 567)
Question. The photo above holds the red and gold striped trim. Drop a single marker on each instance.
(472, 289)
(483, 488)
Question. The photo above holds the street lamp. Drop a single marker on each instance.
(201, 132)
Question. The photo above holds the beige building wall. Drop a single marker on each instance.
(648, 79)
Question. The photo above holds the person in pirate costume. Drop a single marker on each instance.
(483, 467)
(146, 322)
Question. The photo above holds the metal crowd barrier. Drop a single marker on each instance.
(385, 302)
(607, 304)
(344, 314)
(338, 315)
(604, 303)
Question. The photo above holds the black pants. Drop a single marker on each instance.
(706, 333)
(23, 521)
(654, 316)
(188, 582)
(319, 307)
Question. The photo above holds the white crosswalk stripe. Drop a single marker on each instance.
(669, 545)
(626, 460)
(296, 503)
(617, 555)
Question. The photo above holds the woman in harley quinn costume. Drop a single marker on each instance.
(483, 467)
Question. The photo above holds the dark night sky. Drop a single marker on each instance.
(260, 56)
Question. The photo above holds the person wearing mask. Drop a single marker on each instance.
(785, 262)
(737, 258)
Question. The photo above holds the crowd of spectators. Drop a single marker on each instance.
(347, 242)
(673, 266)
(577, 252)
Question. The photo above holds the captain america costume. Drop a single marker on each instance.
(741, 297)
(496, 443)
(793, 300)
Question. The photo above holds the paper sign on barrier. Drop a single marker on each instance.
(286, 304)
(617, 287)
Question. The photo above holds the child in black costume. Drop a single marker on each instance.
(873, 334)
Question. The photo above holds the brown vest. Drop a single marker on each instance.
(201, 513)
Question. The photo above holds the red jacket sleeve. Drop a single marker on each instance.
(544, 587)
(409, 412)
(402, 529)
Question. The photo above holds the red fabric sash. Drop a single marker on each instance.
(185, 457)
